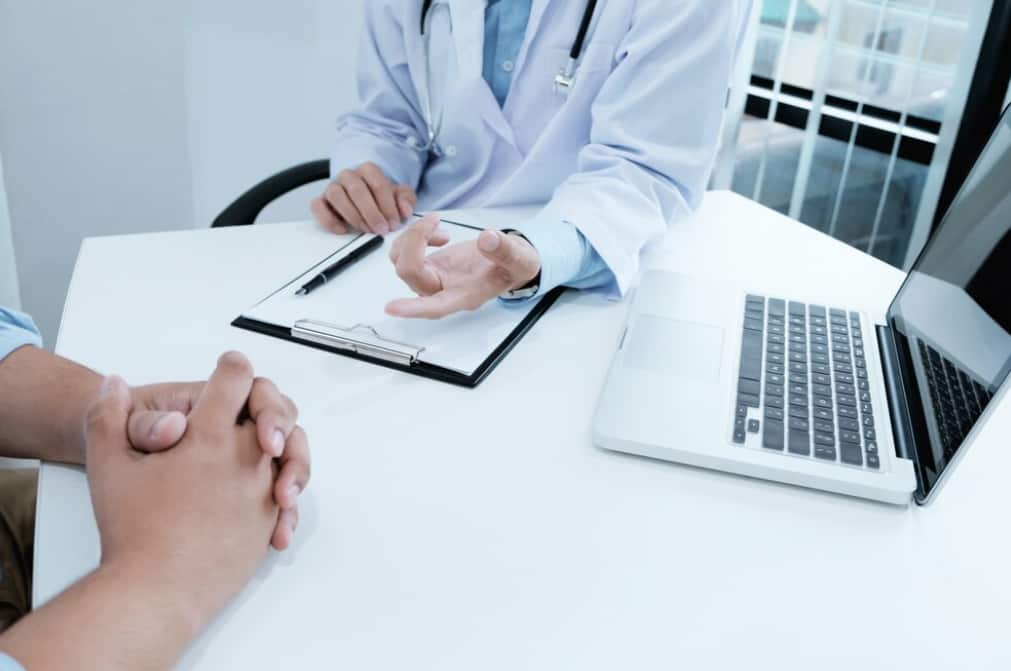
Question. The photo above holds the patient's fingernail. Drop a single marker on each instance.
(277, 442)
(156, 427)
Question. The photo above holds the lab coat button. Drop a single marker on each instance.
(508, 66)
(451, 150)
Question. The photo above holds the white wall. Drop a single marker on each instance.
(120, 116)
(9, 295)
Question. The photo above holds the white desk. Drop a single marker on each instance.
(480, 530)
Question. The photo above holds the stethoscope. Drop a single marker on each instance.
(563, 83)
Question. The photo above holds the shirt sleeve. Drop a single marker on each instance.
(567, 257)
(648, 160)
(8, 663)
(16, 330)
(388, 123)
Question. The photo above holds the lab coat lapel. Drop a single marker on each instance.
(468, 37)
(537, 9)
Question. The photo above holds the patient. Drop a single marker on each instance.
(190, 484)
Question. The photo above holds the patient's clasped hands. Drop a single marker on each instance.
(210, 504)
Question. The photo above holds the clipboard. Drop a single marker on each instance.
(345, 317)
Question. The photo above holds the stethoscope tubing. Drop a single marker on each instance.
(433, 125)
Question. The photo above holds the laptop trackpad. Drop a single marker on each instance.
(683, 349)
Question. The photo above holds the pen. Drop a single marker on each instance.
(334, 270)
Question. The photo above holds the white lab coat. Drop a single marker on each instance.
(628, 153)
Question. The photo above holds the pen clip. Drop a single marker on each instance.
(359, 339)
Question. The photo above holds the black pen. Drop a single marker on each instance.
(334, 270)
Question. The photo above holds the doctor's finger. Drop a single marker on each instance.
(338, 201)
(406, 201)
(410, 258)
(361, 195)
(382, 192)
(326, 217)
(424, 232)
(437, 305)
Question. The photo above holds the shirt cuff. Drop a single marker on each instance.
(16, 330)
(567, 258)
(8, 663)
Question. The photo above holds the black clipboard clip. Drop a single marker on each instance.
(360, 339)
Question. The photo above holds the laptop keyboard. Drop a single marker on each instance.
(958, 400)
(804, 373)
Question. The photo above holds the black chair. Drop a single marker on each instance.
(248, 206)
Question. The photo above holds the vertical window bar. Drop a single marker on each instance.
(726, 161)
(777, 87)
(814, 119)
(861, 101)
(903, 120)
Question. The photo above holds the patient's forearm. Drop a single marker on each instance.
(42, 403)
(110, 620)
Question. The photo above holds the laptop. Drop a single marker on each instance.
(800, 391)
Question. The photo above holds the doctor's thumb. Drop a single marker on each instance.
(511, 252)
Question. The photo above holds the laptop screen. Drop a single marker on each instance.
(952, 317)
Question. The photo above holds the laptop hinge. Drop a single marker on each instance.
(902, 429)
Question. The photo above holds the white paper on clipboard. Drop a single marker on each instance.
(355, 300)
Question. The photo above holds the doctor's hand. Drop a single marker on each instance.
(463, 276)
(364, 200)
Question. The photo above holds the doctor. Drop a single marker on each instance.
(607, 111)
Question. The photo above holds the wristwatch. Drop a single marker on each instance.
(529, 289)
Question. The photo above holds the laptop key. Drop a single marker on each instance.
(777, 306)
(849, 413)
(851, 454)
(824, 439)
(826, 453)
(849, 437)
(773, 402)
(773, 413)
(776, 368)
(773, 390)
(823, 413)
(849, 424)
(873, 462)
(739, 437)
(749, 400)
(746, 386)
(775, 358)
(824, 426)
(799, 442)
(772, 437)
(753, 425)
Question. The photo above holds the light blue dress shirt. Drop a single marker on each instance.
(16, 330)
(566, 256)
(8, 663)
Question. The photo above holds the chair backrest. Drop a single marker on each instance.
(9, 294)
